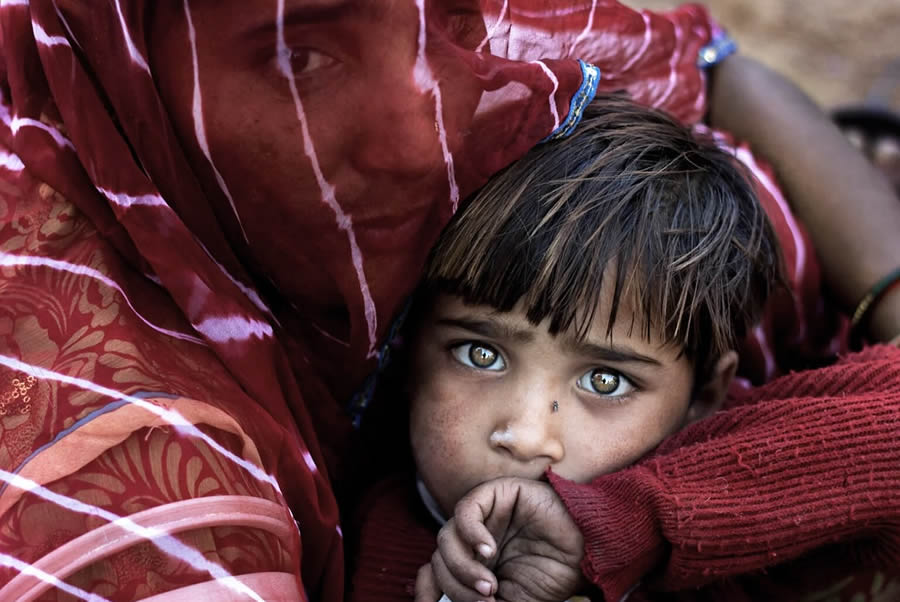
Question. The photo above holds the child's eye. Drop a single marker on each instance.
(479, 356)
(605, 382)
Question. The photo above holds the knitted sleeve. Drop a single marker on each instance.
(808, 460)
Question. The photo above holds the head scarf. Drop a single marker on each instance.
(225, 205)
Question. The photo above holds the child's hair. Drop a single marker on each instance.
(632, 199)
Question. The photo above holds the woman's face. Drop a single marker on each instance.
(307, 112)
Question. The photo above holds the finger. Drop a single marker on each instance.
(886, 152)
(451, 586)
(471, 515)
(856, 138)
(427, 589)
(459, 559)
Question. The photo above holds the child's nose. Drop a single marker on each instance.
(532, 433)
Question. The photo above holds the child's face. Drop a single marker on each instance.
(493, 395)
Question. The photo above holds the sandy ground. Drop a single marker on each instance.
(834, 49)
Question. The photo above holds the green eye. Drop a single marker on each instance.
(603, 381)
(479, 356)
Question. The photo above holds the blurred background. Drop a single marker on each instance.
(834, 49)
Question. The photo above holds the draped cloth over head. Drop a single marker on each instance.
(210, 215)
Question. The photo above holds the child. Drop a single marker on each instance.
(590, 313)
(583, 307)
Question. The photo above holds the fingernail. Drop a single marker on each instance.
(485, 550)
(484, 587)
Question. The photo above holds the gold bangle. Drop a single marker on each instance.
(872, 297)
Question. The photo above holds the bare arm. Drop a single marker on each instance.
(852, 214)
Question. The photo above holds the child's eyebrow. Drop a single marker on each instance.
(608, 353)
(489, 328)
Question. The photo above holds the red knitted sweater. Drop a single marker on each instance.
(787, 492)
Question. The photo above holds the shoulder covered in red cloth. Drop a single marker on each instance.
(396, 537)
(806, 466)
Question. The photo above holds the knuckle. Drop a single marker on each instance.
(423, 574)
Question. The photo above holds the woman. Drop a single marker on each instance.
(211, 214)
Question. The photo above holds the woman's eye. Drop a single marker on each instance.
(479, 356)
(605, 382)
(307, 60)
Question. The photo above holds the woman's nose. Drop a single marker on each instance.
(402, 134)
(533, 432)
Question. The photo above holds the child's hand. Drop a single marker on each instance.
(509, 540)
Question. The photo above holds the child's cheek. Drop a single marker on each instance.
(445, 442)
(445, 403)
(444, 422)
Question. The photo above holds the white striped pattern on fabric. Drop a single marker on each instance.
(11, 260)
(344, 222)
(170, 416)
(162, 540)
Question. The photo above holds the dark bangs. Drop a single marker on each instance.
(632, 201)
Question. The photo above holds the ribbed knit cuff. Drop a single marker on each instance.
(616, 560)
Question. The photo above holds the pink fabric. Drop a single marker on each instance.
(161, 522)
